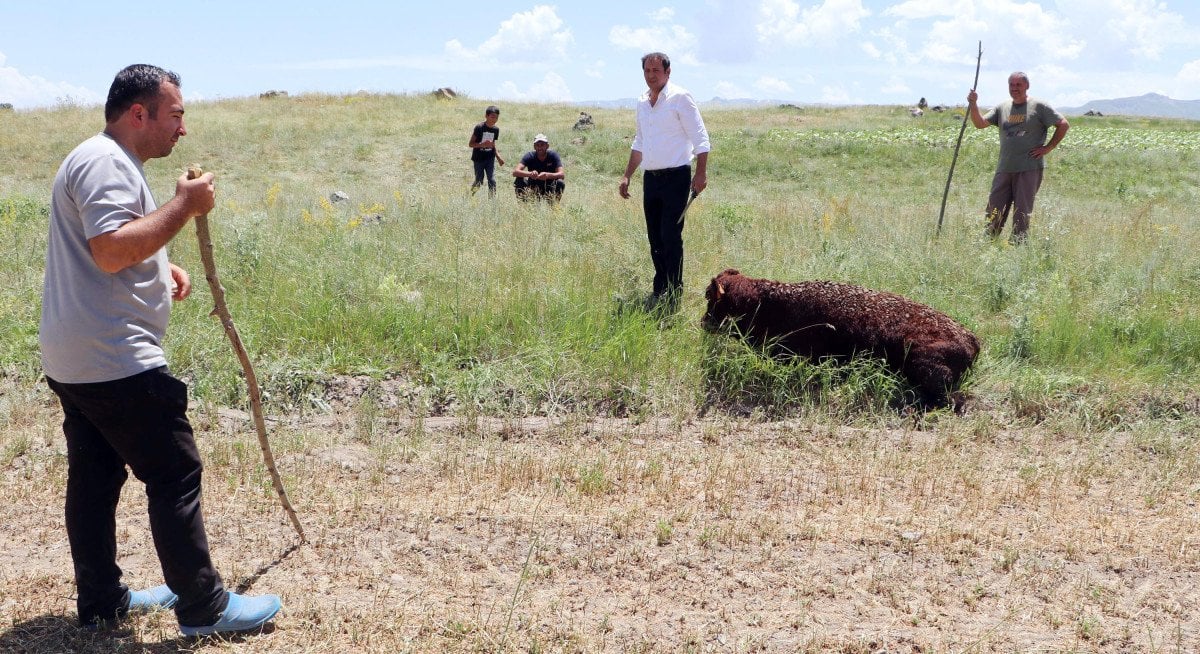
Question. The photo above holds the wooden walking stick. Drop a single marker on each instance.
(957, 145)
(221, 310)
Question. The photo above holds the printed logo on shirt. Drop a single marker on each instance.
(1013, 127)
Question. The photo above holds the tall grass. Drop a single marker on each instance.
(493, 306)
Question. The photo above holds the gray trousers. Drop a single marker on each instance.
(1014, 191)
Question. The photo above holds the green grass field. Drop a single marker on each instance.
(499, 308)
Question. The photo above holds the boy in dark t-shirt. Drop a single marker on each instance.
(484, 153)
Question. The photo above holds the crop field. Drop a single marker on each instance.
(493, 448)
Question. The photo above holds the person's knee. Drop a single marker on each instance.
(95, 483)
(175, 464)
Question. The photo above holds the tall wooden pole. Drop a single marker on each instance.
(957, 145)
(221, 310)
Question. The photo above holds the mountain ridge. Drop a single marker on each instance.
(1149, 105)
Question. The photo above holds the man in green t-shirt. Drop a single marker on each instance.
(1024, 123)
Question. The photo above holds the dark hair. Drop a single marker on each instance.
(492, 109)
(137, 84)
(666, 61)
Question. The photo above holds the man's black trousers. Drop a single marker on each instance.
(140, 422)
(663, 200)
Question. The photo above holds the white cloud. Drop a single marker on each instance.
(1145, 29)
(596, 70)
(1187, 82)
(552, 88)
(675, 40)
(771, 86)
(1010, 30)
(532, 36)
(944, 40)
(1190, 72)
(425, 63)
(918, 9)
(729, 91)
(1051, 76)
(939, 52)
(728, 33)
(783, 20)
(666, 14)
(1047, 31)
(896, 86)
(896, 50)
(29, 91)
(871, 50)
(1148, 27)
(835, 95)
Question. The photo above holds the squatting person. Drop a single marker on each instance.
(540, 174)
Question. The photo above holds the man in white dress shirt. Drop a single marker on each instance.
(670, 133)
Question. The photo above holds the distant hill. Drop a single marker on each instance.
(621, 103)
(1151, 105)
(630, 103)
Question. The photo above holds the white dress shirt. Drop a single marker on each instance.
(671, 131)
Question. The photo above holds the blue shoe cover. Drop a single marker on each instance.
(241, 615)
(152, 599)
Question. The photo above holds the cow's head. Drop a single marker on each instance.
(717, 295)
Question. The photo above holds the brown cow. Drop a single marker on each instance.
(819, 319)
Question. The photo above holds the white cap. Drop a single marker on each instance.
(541, 138)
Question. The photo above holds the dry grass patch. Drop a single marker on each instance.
(435, 534)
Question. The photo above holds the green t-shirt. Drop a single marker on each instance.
(1023, 127)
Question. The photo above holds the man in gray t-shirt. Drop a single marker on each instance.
(105, 304)
(97, 325)
(1024, 123)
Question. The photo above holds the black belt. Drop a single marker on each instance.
(669, 171)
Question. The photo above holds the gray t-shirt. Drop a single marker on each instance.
(98, 326)
(1022, 128)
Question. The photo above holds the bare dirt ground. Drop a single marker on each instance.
(660, 535)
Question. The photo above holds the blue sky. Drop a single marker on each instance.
(803, 51)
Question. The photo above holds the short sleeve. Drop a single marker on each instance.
(1048, 115)
(108, 190)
